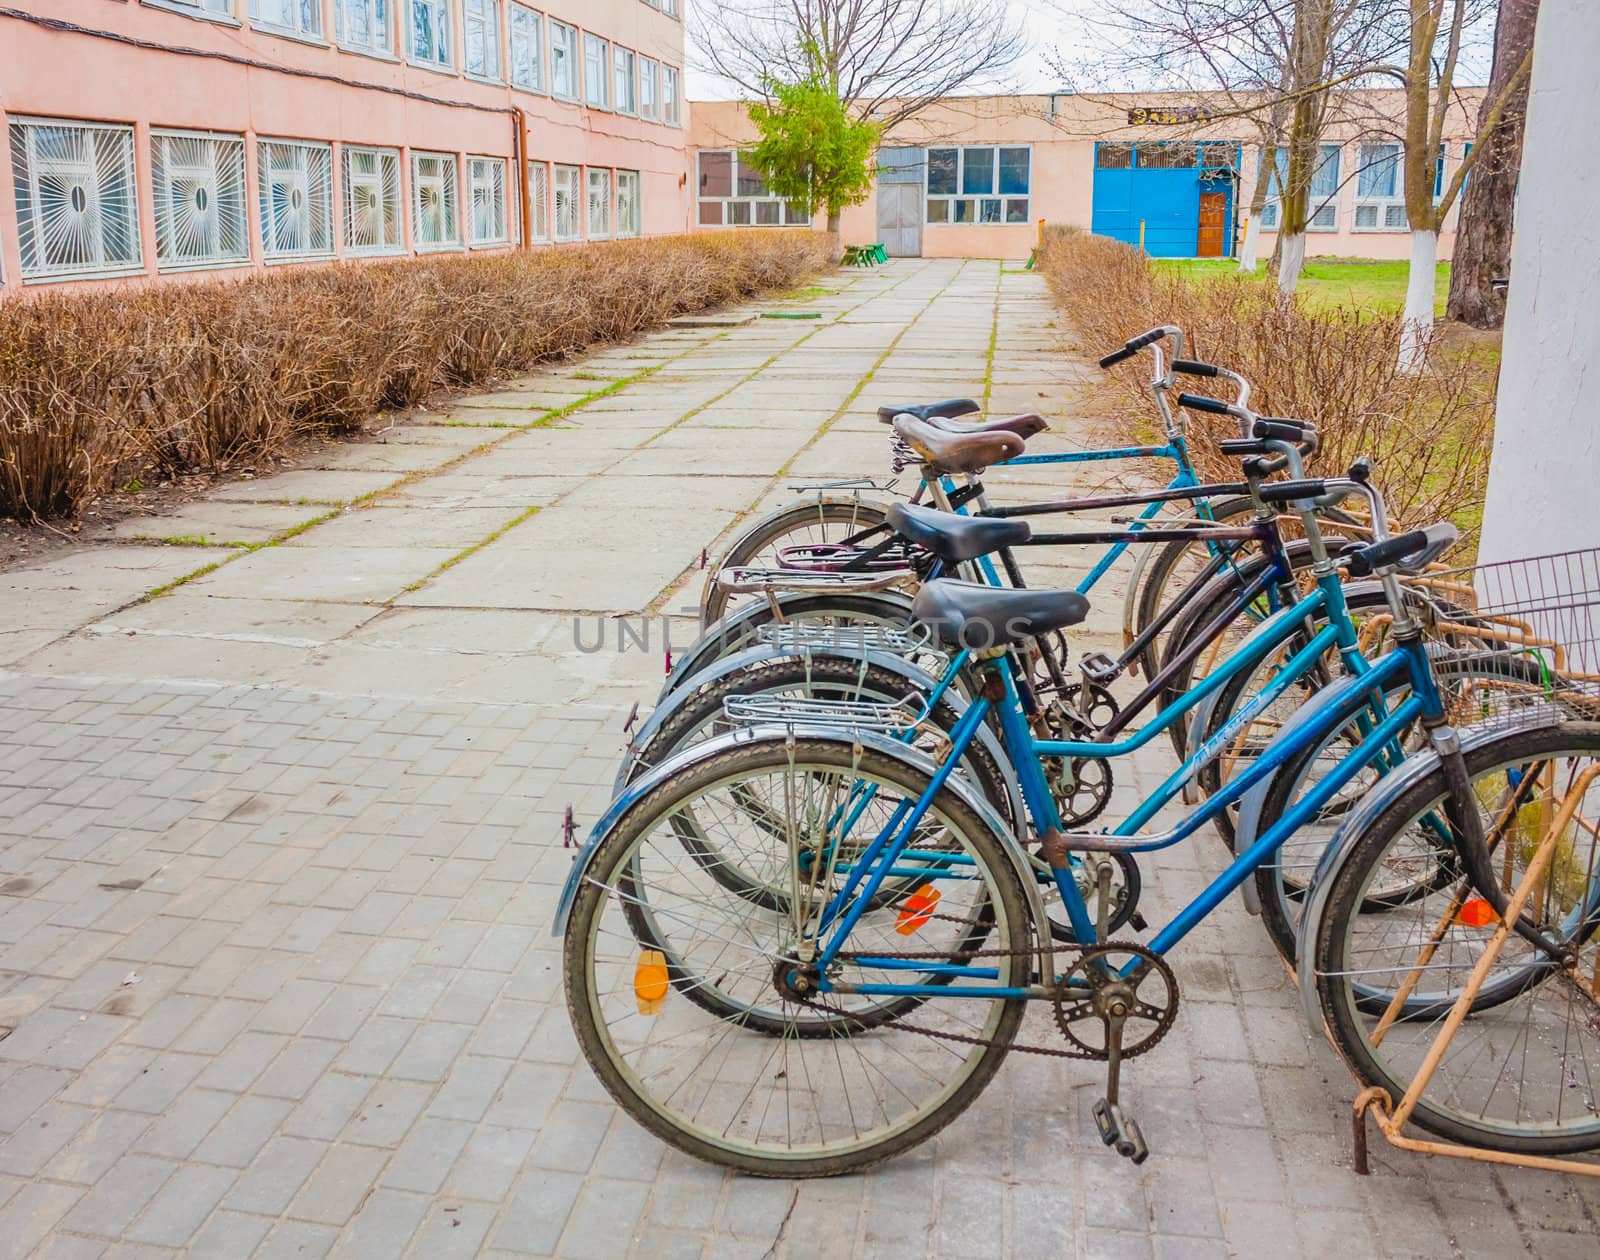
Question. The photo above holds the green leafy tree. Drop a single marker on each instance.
(815, 155)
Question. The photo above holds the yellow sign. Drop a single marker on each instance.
(1167, 116)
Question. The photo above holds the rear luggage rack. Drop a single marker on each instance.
(857, 637)
(856, 715)
(744, 580)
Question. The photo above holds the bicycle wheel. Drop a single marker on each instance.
(810, 521)
(822, 612)
(1523, 1071)
(790, 1105)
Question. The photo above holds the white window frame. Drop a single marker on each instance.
(671, 95)
(1002, 200)
(487, 23)
(741, 209)
(596, 87)
(1324, 211)
(486, 176)
(649, 88)
(315, 160)
(380, 17)
(624, 74)
(442, 11)
(1381, 203)
(590, 204)
(306, 11)
(634, 222)
(225, 159)
(24, 151)
(449, 183)
(539, 202)
(671, 8)
(206, 10)
(575, 198)
(521, 15)
(568, 45)
(391, 212)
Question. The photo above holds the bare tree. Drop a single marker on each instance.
(1437, 30)
(889, 59)
(1483, 232)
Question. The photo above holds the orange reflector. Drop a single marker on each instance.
(650, 981)
(917, 910)
(1476, 912)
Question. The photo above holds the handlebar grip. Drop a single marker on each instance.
(1196, 402)
(1288, 491)
(1117, 356)
(1243, 446)
(1361, 470)
(1146, 338)
(1283, 430)
(1193, 367)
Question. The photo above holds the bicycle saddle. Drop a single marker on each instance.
(956, 452)
(1024, 426)
(953, 537)
(972, 615)
(947, 409)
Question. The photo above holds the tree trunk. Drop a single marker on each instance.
(1258, 201)
(1483, 231)
(1291, 257)
(833, 221)
(1417, 324)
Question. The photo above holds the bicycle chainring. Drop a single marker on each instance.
(1116, 973)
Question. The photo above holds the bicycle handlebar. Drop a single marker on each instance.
(1198, 402)
(1193, 367)
(1135, 344)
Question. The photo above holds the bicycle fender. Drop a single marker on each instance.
(729, 629)
(809, 502)
(751, 656)
(1342, 846)
(642, 786)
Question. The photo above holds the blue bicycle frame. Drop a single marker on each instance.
(1360, 697)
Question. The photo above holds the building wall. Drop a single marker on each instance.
(314, 89)
(1062, 132)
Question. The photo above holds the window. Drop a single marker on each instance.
(362, 25)
(595, 85)
(1322, 197)
(628, 203)
(290, 17)
(480, 38)
(197, 8)
(486, 182)
(649, 86)
(539, 200)
(296, 183)
(623, 81)
(568, 193)
(433, 201)
(1113, 157)
(669, 95)
(428, 40)
(198, 183)
(670, 8)
(77, 204)
(1380, 205)
(733, 193)
(1438, 175)
(563, 60)
(372, 201)
(599, 204)
(527, 48)
(979, 184)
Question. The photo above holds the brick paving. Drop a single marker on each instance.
(279, 852)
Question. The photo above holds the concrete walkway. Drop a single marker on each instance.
(279, 851)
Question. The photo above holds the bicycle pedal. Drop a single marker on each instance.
(1138, 922)
(1098, 667)
(1119, 1131)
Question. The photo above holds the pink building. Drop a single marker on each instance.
(151, 138)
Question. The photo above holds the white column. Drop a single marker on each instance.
(1544, 478)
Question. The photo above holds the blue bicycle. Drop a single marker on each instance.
(862, 996)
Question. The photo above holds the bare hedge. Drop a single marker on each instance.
(1429, 433)
(94, 385)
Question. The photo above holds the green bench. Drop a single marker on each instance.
(865, 255)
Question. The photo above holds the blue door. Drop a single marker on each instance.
(1159, 185)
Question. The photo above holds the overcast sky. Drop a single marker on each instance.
(1067, 25)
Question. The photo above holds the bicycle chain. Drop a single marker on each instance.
(945, 955)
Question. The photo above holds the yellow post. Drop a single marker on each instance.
(1039, 242)
(1141, 236)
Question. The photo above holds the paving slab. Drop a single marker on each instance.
(325, 833)
(310, 486)
(216, 523)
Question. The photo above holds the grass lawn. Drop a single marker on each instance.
(1378, 286)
